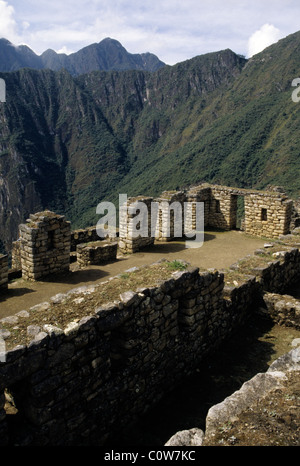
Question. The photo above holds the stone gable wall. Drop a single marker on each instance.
(45, 245)
(267, 215)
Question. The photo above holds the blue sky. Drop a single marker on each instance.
(175, 30)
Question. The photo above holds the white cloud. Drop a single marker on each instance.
(8, 25)
(262, 38)
(65, 50)
(171, 29)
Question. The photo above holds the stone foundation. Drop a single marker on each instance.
(96, 253)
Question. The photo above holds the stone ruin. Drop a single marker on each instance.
(44, 245)
(3, 272)
(46, 240)
(266, 213)
(96, 253)
(128, 241)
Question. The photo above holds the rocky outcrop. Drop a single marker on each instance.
(283, 309)
(251, 391)
(191, 437)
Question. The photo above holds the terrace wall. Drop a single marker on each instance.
(81, 384)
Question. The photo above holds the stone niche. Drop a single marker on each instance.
(95, 253)
(45, 245)
(3, 272)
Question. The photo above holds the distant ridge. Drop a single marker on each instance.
(106, 55)
(69, 142)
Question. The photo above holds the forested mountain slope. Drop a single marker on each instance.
(67, 143)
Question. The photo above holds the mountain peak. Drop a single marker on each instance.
(108, 54)
(109, 39)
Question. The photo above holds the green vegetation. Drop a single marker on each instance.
(176, 265)
(67, 143)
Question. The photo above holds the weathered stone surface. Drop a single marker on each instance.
(252, 391)
(33, 330)
(118, 359)
(284, 309)
(95, 253)
(44, 245)
(191, 438)
(240, 400)
(288, 362)
(9, 320)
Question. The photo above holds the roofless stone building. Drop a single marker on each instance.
(44, 245)
(45, 239)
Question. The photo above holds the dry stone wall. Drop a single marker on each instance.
(135, 215)
(77, 385)
(200, 193)
(284, 309)
(170, 215)
(16, 255)
(3, 272)
(281, 272)
(45, 245)
(96, 253)
(83, 235)
(81, 383)
(223, 208)
(267, 215)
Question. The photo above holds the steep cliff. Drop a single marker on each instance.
(68, 143)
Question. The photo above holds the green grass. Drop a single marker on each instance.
(176, 265)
